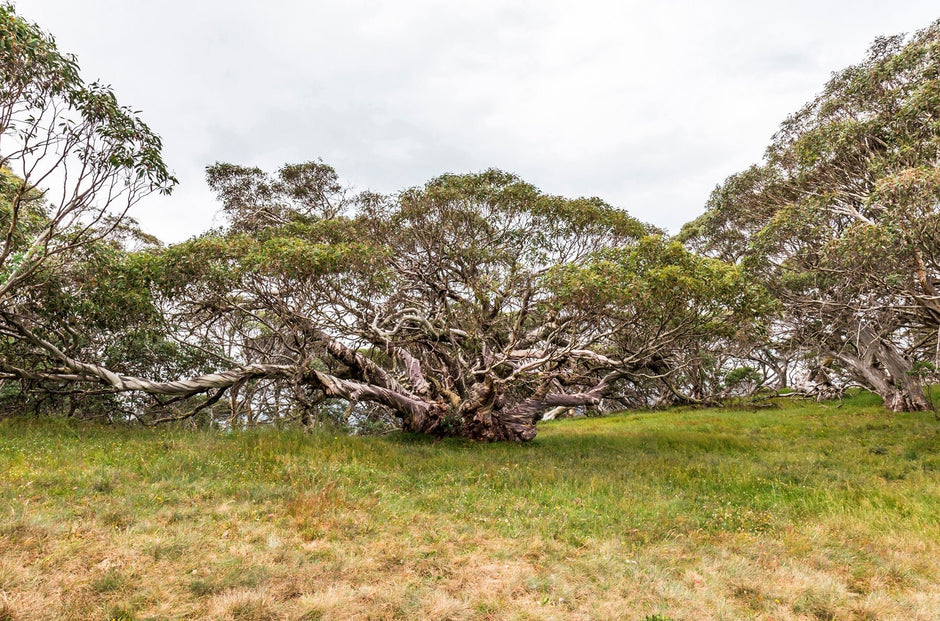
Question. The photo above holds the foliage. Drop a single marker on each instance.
(474, 305)
(469, 306)
(72, 162)
(840, 221)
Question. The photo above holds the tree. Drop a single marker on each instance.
(841, 221)
(72, 162)
(78, 160)
(470, 306)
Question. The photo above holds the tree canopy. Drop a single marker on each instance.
(469, 306)
(72, 162)
(841, 219)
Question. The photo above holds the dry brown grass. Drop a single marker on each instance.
(261, 570)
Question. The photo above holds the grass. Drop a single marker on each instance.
(801, 512)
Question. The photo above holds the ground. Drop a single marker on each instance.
(820, 511)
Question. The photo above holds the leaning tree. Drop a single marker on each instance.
(842, 222)
(72, 162)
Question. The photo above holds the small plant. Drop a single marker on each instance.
(922, 369)
(743, 381)
(6, 613)
(120, 614)
(110, 581)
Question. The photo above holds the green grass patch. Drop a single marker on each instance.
(797, 511)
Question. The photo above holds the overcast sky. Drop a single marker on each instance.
(646, 104)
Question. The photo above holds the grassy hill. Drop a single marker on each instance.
(797, 512)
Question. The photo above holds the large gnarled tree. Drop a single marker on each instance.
(471, 306)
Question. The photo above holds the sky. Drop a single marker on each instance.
(648, 105)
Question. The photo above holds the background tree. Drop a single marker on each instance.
(72, 162)
(840, 221)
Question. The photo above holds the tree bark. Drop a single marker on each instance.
(881, 367)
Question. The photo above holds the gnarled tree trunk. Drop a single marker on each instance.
(882, 368)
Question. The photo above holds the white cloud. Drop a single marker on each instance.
(647, 105)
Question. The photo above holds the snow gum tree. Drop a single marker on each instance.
(471, 306)
(72, 162)
(841, 221)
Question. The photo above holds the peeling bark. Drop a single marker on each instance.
(879, 365)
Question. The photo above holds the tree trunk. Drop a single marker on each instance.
(906, 400)
(883, 369)
(483, 424)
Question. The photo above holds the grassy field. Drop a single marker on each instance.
(799, 512)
